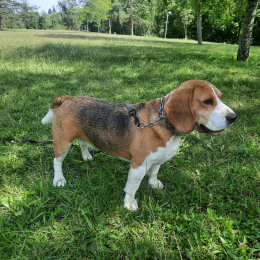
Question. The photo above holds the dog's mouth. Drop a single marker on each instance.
(203, 129)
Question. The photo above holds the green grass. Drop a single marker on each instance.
(209, 208)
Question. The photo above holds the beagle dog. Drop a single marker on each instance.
(107, 126)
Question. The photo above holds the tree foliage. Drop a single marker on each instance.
(68, 18)
(7, 9)
(26, 12)
(93, 11)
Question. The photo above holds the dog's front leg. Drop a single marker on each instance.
(84, 149)
(153, 182)
(135, 177)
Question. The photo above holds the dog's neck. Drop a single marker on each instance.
(156, 111)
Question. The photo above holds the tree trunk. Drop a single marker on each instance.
(244, 46)
(110, 24)
(87, 27)
(131, 23)
(199, 30)
(72, 28)
(131, 19)
(1, 24)
(237, 34)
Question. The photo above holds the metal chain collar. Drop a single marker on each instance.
(159, 121)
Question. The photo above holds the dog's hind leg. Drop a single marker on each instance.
(153, 182)
(84, 149)
(61, 148)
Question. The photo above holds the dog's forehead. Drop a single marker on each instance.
(207, 90)
(216, 91)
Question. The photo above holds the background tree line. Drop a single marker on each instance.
(216, 20)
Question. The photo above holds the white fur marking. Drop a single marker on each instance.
(48, 118)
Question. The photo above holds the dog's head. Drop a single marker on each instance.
(197, 104)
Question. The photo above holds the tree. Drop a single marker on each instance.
(7, 7)
(145, 16)
(53, 9)
(239, 12)
(25, 11)
(113, 13)
(46, 22)
(187, 18)
(33, 23)
(128, 8)
(256, 30)
(42, 22)
(222, 14)
(139, 13)
(131, 7)
(67, 15)
(199, 19)
(245, 41)
(224, 20)
(55, 18)
(84, 15)
(198, 6)
(93, 11)
(100, 9)
(131, 13)
(11, 20)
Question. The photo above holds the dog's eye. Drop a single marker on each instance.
(208, 102)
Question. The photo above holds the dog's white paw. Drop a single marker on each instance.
(59, 182)
(131, 205)
(87, 157)
(156, 184)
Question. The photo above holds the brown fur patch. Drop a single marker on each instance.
(59, 100)
(178, 109)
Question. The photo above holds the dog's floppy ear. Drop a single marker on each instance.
(178, 110)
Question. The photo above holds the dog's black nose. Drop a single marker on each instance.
(231, 118)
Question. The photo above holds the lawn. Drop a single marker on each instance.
(210, 207)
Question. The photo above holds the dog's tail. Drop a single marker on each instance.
(54, 107)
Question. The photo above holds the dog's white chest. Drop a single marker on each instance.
(164, 153)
